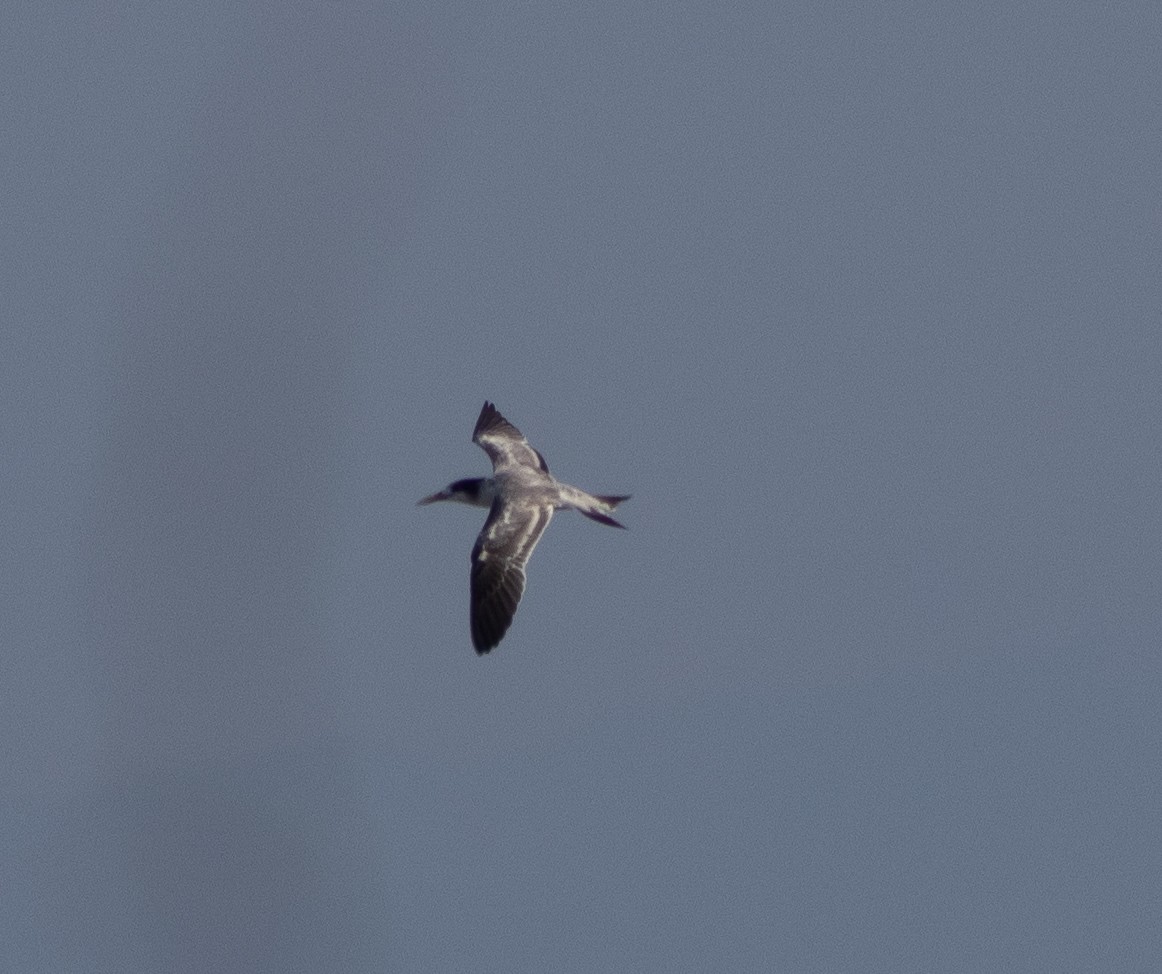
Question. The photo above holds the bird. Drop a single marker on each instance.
(521, 496)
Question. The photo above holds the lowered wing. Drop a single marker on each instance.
(499, 557)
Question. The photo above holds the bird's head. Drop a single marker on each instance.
(475, 491)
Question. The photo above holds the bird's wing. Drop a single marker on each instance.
(504, 443)
(498, 567)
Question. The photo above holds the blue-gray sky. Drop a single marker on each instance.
(860, 301)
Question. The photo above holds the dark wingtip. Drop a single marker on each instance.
(487, 634)
(490, 419)
(484, 640)
(484, 418)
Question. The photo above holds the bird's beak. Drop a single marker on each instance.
(440, 495)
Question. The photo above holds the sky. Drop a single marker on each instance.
(860, 302)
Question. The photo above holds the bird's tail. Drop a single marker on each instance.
(596, 506)
(609, 502)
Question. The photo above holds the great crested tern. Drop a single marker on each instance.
(521, 496)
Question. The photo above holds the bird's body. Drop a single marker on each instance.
(521, 496)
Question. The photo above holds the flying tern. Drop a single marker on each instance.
(521, 496)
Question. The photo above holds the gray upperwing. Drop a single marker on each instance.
(504, 443)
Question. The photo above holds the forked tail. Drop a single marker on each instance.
(610, 501)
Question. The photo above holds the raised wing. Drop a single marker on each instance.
(504, 443)
(499, 557)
